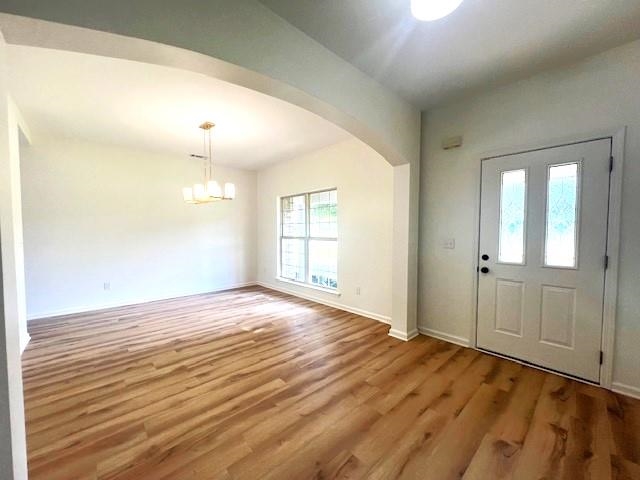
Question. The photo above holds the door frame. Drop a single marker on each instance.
(617, 137)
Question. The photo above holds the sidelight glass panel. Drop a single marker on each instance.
(512, 216)
(562, 213)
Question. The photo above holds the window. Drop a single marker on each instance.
(562, 211)
(309, 238)
(512, 216)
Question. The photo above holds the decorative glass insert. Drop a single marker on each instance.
(512, 216)
(323, 263)
(323, 214)
(562, 213)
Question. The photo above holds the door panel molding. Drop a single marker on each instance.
(617, 137)
(516, 302)
(550, 298)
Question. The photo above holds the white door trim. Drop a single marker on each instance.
(613, 236)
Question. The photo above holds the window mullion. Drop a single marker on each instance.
(307, 231)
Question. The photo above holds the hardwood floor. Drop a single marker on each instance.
(254, 384)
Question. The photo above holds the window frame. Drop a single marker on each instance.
(306, 238)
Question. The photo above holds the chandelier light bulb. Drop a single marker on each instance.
(213, 189)
(199, 192)
(229, 191)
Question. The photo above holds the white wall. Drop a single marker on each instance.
(600, 93)
(365, 222)
(97, 213)
(19, 138)
(13, 449)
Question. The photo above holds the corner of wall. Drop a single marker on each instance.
(430, 332)
(627, 390)
(24, 342)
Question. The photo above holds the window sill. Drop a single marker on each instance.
(312, 287)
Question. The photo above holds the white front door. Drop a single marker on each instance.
(543, 242)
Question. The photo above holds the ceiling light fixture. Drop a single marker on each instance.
(428, 10)
(208, 191)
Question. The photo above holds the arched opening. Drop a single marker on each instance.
(397, 179)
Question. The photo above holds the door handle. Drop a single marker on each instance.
(484, 269)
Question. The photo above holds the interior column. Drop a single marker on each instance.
(405, 252)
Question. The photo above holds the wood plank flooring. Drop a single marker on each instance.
(254, 384)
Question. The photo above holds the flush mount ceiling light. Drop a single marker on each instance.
(427, 10)
(209, 190)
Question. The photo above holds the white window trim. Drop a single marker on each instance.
(307, 237)
(311, 286)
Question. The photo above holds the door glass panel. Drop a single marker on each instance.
(512, 216)
(562, 212)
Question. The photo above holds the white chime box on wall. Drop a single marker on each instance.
(451, 142)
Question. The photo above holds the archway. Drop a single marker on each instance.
(387, 137)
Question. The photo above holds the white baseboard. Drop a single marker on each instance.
(91, 308)
(627, 390)
(400, 335)
(464, 342)
(329, 303)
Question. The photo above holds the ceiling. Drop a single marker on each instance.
(484, 43)
(158, 108)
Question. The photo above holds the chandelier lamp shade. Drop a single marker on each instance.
(209, 190)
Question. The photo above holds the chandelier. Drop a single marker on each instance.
(209, 190)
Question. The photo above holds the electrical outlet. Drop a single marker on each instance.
(449, 243)
(106, 285)
(357, 290)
